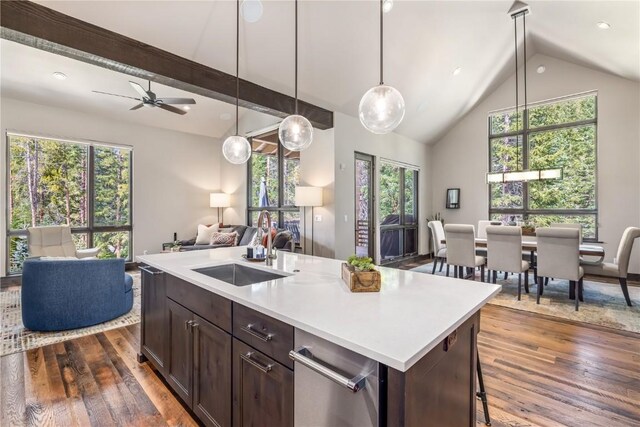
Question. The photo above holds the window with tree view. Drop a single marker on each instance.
(556, 134)
(53, 182)
(274, 174)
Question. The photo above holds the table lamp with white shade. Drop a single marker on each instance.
(308, 196)
(220, 201)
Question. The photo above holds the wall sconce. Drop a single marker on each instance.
(453, 198)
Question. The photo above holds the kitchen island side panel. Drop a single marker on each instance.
(440, 389)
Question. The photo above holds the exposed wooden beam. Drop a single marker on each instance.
(37, 26)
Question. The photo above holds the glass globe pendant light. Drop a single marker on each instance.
(296, 132)
(381, 108)
(236, 149)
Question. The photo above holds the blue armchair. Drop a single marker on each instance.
(69, 294)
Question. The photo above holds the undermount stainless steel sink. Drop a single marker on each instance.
(238, 275)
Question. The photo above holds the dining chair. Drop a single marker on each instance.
(439, 248)
(482, 227)
(461, 249)
(504, 253)
(568, 225)
(620, 265)
(558, 256)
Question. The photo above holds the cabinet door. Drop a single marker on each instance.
(154, 317)
(262, 389)
(180, 365)
(211, 374)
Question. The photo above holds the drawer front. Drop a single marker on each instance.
(205, 304)
(272, 337)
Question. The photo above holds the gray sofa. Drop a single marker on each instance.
(283, 241)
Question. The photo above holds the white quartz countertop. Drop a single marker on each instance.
(397, 326)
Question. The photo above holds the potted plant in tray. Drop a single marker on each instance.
(360, 274)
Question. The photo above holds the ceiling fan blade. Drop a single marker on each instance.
(137, 106)
(143, 93)
(114, 94)
(170, 108)
(177, 101)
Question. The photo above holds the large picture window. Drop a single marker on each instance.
(398, 207)
(54, 182)
(555, 134)
(273, 174)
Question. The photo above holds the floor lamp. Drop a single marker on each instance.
(308, 197)
(220, 201)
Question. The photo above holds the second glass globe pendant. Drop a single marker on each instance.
(382, 107)
(236, 149)
(295, 131)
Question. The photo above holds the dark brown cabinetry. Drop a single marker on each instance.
(262, 389)
(211, 373)
(180, 364)
(154, 346)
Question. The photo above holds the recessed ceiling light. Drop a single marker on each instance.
(60, 76)
(186, 108)
(252, 10)
(541, 69)
(603, 25)
(387, 5)
(457, 71)
(225, 116)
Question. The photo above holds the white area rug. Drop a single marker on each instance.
(14, 337)
(603, 305)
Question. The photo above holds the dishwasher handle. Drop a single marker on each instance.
(303, 356)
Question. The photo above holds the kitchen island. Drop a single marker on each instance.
(403, 356)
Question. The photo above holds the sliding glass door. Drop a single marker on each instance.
(398, 206)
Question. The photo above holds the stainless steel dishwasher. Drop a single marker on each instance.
(334, 386)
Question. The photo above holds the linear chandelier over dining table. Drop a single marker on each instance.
(517, 10)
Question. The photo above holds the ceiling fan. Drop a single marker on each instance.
(149, 99)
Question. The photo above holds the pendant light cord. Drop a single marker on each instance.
(524, 30)
(296, 58)
(515, 38)
(381, 38)
(237, 60)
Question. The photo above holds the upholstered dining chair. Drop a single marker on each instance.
(620, 265)
(482, 227)
(504, 246)
(558, 254)
(439, 248)
(568, 225)
(461, 249)
(55, 241)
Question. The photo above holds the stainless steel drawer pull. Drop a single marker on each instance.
(264, 368)
(152, 272)
(262, 337)
(303, 356)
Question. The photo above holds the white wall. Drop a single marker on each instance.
(350, 136)
(317, 169)
(460, 158)
(173, 172)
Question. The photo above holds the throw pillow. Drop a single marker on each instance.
(265, 236)
(204, 233)
(282, 238)
(224, 238)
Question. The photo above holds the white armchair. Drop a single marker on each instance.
(618, 268)
(55, 241)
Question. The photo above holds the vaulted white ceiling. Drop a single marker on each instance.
(338, 59)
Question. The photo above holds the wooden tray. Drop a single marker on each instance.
(252, 259)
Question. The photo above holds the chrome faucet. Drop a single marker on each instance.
(270, 252)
